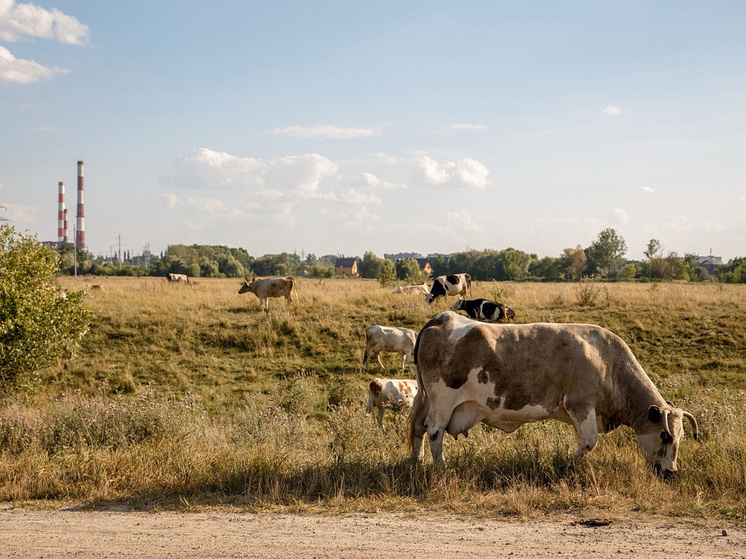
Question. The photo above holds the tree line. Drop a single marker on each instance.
(604, 258)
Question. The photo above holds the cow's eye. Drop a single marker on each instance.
(666, 438)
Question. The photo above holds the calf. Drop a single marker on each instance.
(443, 286)
(483, 309)
(388, 338)
(384, 392)
(270, 287)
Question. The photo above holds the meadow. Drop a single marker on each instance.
(187, 396)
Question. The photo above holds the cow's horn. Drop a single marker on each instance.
(665, 421)
(693, 421)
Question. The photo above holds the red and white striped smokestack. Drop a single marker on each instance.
(61, 233)
(80, 223)
(66, 239)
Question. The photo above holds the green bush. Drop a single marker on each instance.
(39, 323)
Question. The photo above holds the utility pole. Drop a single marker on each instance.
(75, 253)
(120, 250)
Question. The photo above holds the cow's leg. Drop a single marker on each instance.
(379, 416)
(586, 426)
(418, 430)
(409, 361)
(378, 358)
(366, 357)
(436, 445)
(403, 356)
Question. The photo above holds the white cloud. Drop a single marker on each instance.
(360, 218)
(208, 169)
(461, 221)
(464, 126)
(462, 173)
(352, 196)
(646, 189)
(325, 131)
(611, 110)
(13, 69)
(618, 216)
(17, 20)
(371, 181)
(20, 214)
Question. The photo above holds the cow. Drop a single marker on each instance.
(177, 278)
(483, 309)
(264, 288)
(443, 286)
(384, 392)
(506, 375)
(389, 338)
(410, 289)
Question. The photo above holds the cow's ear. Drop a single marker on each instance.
(654, 414)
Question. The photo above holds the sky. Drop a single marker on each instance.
(340, 127)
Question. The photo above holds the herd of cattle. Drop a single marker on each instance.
(475, 369)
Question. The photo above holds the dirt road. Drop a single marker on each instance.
(76, 533)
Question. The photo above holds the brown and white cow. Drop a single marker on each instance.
(264, 288)
(383, 392)
(506, 375)
(423, 288)
(453, 285)
(177, 278)
(389, 338)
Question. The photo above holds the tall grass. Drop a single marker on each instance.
(188, 396)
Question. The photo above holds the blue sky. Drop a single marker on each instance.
(343, 126)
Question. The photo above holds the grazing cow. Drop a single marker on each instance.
(177, 278)
(483, 309)
(389, 338)
(384, 392)
(270, 287)
(506, 375)
(410, 289)
(443, 286)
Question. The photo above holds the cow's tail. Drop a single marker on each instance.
(421, 399)
(468, 283)
(366, 355)
(293, 289)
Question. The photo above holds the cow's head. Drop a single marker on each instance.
(458, 305)
(661, 435)
(429, 298)
(248, 287)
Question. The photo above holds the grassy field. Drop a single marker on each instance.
(188, 396)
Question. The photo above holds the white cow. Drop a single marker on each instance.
(423, 288)
(389, 338)
(384, 392)
(506, 375)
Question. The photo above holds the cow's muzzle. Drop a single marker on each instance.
(665, 473)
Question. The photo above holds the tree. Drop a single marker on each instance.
(370, 266)
(408, 269)
(39, 323)
(607, 253)
(573, 263)
(654, 254)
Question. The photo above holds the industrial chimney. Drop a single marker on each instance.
(66, 239)
(61, 230)
(80, 223)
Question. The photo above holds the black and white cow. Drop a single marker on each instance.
(443, 286)
(483, 309)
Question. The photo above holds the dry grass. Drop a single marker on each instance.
(187, 396)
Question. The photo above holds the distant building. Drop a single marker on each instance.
(425, 265)
(345, 267)
(710, 263)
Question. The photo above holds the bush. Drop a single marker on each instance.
(39, 323)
